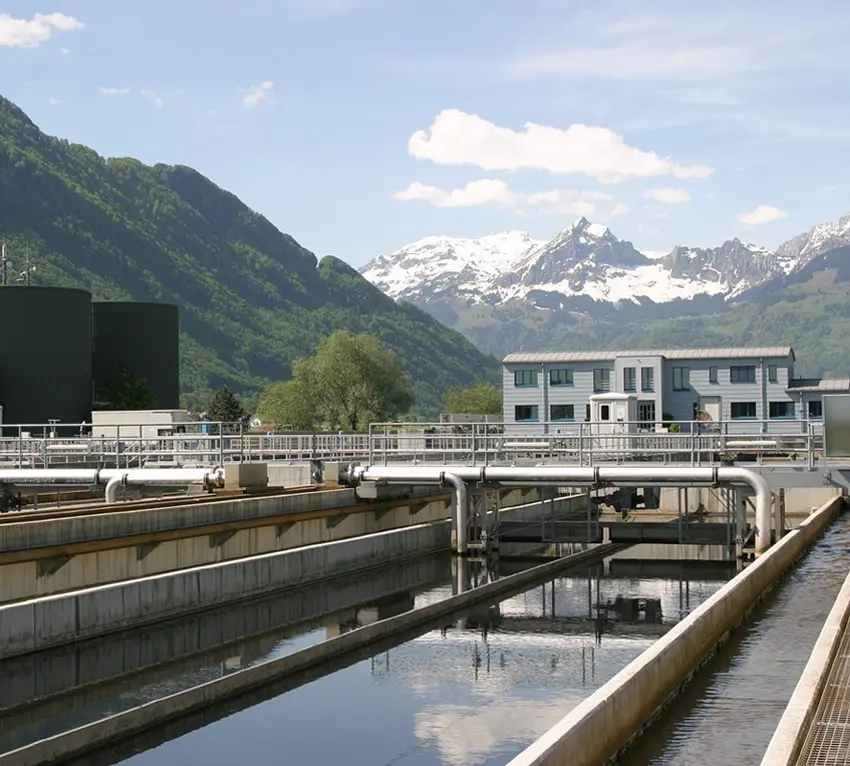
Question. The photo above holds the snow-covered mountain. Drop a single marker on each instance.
(584, 261)
(817, 240)
(454, 265)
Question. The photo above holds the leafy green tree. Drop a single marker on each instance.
(288, 404)
(127, 391)
(225, 407)
(480, 399)
(350, 382)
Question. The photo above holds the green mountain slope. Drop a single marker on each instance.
(251, 298)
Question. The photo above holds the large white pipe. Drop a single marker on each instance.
(625, 476)
(49, 476)
(461, 509)
(112, 477)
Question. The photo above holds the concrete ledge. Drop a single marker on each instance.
(602, 725)
(85, 739)
(91, 671)
(790, 734)
(62, 618)
(40, 623)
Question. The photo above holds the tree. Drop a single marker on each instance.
(480, 399)
(350, 382)
(225, 407)
(127, 391)
(288, 404)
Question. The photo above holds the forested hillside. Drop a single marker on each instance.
(251, 298)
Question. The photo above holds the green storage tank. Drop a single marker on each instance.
(45, 355)
(145, 338)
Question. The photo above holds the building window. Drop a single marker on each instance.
(712, 375)
(525, 378)
(601, 380)
(742, 410)
(587, 412)
(629, 379)
(781, 409)
(525, 412)
(562, 412)
(560, 377)
(647, 379)
(681, 378)
(605, 412)
(816, 409)
(772, 373)
(742, 374)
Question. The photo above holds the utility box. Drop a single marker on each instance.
(836, 425)
(613, 419)
(248, 476)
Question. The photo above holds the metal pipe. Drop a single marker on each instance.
(461, 509)
(49, 476)
(112, 487)
(635, 476)
(163, 475)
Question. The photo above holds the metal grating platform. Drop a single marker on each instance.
(827, 742)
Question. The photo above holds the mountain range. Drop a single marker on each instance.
(588, 288)
(251, 298)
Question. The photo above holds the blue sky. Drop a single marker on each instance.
(358, 126)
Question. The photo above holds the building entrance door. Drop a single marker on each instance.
(646, 413)
(710, 409)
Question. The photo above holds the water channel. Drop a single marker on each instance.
(730, 711)
(476, 690)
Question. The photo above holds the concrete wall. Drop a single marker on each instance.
(39, 623)
(30, 579)
(28, 678)
(284, 475)
(790, 736)
(33, 625)
(328, 655)
(605, 722)
(799, 501)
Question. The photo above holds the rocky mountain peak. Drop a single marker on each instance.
(575, 253)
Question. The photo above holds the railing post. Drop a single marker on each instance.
(221, 445)
(117, 446)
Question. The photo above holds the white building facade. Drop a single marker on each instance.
(748, 389)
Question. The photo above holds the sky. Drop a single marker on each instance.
(358, 126)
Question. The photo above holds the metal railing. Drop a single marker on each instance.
(589, 444)
(140, 446)
(586, 444)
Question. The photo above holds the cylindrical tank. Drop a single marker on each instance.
(144, 338)
(45, 355)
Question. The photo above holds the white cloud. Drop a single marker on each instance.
(54, 101)
(256, 94)
(114, 91)
(154, 97)
(668, 196)
(64, 51)
(491, 191)
(763, 214)
(30, 33)
(458, 138)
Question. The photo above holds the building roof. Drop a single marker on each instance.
(828, 384)
(543, 357)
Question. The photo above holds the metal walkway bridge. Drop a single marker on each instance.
(797, 443)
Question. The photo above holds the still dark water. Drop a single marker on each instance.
(473, 692)
(729, 713)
